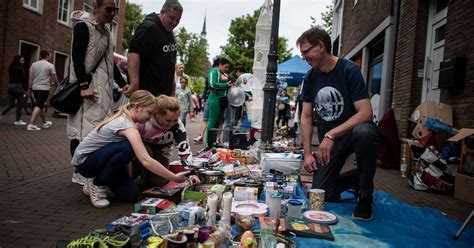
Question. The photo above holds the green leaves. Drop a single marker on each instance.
(133, 18)
(240, 44)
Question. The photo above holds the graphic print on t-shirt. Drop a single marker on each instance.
(329, 103)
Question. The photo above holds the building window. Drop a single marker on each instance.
(35, 5)
(357, 60)
(335, 47)
(374, 79)
(61, 64)
(440, 5)
(64, 10)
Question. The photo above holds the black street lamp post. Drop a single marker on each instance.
(270, 89)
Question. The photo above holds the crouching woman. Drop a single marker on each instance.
(103, 156)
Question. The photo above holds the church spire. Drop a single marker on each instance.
(203, 32)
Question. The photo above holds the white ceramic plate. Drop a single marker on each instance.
(249, 208)
(321, 217)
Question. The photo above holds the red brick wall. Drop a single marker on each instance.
(460, 43)
(361, 20)
(41, 29)
(3, 60)
(121, 20)
(409, 58)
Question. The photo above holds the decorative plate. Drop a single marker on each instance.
(249, 208)
(320, 217)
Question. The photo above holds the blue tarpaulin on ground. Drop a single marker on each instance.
(395, 224)
(292, 71)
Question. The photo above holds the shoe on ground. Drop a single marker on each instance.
(88, 241)
(47, 124)
(198, 139)
(19, 123)
(78, 178)
(32, 127)
(86, 188)
(98, 194)
(363, 210)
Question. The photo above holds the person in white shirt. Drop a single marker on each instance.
(42, 76)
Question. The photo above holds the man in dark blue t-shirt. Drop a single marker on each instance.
(336, 89)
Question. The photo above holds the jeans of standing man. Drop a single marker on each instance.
(182, 117)
(15, 98)
(109, 167)
(363, 140)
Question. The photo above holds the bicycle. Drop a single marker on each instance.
(29, 104)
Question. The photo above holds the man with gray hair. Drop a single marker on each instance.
(336, 88)
(152, 52)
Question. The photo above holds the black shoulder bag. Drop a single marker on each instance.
(67, 96)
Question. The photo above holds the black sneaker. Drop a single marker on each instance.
(363, 210)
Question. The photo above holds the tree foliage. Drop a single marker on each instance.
(192, 52)
(133, 18)
(326, 18)
(240, 44)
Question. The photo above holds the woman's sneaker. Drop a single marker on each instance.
(198, 139)
(32, 127)
(98, 194)
(47, 124)
(19, 123)
(78, 178)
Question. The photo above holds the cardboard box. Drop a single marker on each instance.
(465, 152)
(463, 187)
(427, 138)
(440, 111)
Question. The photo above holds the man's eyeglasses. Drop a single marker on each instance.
(304, 52)
(111, 9)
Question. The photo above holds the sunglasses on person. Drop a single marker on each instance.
(304, 52)
(111, 9)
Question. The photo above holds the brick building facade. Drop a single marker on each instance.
(30, 26)
(400, 45)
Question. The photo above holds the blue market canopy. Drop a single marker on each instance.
(292, 71)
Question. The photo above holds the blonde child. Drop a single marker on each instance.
(106, 151)
(163, 131)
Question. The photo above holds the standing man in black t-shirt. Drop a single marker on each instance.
(336, 88)
(152, 52)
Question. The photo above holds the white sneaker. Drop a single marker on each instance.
(78, 178)
(87, 184)
(19, 123)
(32, 127)
(198, 139)
(47, 124)
(86, 188)
(98, 194)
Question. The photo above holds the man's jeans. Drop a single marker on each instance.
(109, 167)
(363, 140)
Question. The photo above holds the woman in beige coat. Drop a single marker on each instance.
(92, 65)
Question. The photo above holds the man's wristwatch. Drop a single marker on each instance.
(84, 86)
(328, 136)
